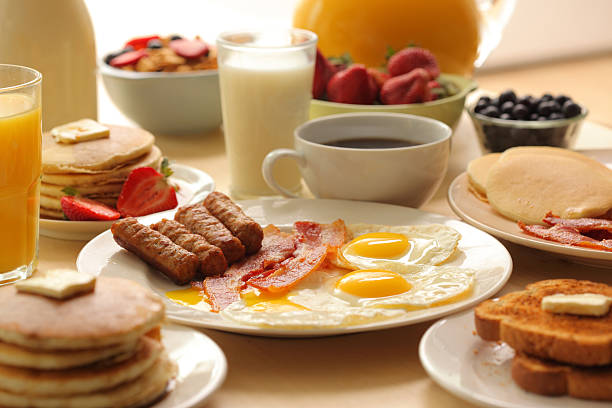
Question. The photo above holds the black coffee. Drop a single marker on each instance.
(371, 143)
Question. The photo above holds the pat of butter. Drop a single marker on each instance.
(586, 304)
(58, 283)
(79, 131)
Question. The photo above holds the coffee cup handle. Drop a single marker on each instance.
(268, 165)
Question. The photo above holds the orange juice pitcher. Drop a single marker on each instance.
(460, 33)
(20, 170)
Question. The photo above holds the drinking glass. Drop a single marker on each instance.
(20, 170)
(266, 81)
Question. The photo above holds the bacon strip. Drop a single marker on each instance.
(604, 245)
(581, 224)
(224, 290)
(316, 241)
(558, 233)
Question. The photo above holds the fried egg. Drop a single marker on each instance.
(377, 246)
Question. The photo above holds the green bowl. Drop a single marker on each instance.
(447, 110)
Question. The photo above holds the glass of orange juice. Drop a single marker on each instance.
(20, 170)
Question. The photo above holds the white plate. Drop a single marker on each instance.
(476, 250)
(201, 367)
(479, 371)
(481, 215)
(193, 184)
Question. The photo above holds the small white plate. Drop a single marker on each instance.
(201, 367)
(483, 216)
(476, 250)
(193, 185)
(478, 371)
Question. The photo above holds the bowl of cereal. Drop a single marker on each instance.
(167, 85)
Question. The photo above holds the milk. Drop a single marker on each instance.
(264, 97)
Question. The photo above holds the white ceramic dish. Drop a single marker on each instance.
(166, 102)
(481, 215)
(479, 371)
(193, 185)
(476, 250)
(201, 367)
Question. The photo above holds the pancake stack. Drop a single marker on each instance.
(96, 169)
(99, 349)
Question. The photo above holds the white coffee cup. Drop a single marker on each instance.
(407, 175)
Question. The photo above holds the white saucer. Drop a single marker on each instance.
(479, 371)
(193, 185)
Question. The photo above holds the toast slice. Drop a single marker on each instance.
(549, 378)
(518, 319)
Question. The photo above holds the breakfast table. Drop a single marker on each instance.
(379, 368)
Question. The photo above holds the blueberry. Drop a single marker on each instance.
(491, 111)
(479, 108)
(495, 102)
(507, 107)
(571, 109)
(547, 97)
(533, 116)
(561, 99)
(505, 116)
(507, 95)
(520, 112)
(542, 118)
(556, 116)
(554, 105)
(484, 99)
(545, 108)
(525, 100)
(154, 44)
(175, 37)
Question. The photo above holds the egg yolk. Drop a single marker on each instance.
(186, 297)
(382, 245)
(259, 301)
(373, 283)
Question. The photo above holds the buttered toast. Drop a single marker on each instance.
(519, 320)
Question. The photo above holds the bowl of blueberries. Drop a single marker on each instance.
(507, 120)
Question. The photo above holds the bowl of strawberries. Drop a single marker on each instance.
(411, 82)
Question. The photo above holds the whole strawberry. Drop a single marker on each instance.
(406, 60)
(379, 76)
(323, 72)
(353, 85)
(407, 88)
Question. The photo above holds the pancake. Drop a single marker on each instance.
(16, 356)
(141, 391)
(117, 311)
(93, 191)
(51, 214)
(54, 203)
(478, 170)
(100, 376)
(525, 185)
(152, 158)
(123, 145)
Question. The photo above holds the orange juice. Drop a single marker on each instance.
(364, 28)
(20, 172)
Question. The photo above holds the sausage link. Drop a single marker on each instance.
(242, 226)
(212, 260)
(178, 264)
(199, 221)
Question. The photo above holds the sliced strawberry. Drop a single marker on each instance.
(145, 192)
(189, 48)
(140, 42)
(353, 85)
(85, 209)
(323, 71)
(128, 58)
(407, 88)
(406, 60)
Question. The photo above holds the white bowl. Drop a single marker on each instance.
(166, 102)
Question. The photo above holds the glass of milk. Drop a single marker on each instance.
(266, 81)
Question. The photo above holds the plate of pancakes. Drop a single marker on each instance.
(532, 182)
(97, 170)
(104, 348)
(468, 265)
